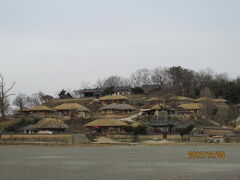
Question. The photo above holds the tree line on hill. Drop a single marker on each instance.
(178, 81)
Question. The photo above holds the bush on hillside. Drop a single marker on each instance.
(14, 127)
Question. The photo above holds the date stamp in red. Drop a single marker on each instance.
(206, 155)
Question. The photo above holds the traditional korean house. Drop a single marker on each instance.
(192, 108)
(117, 109)
(159, 109)
(72, 110)
(50, 126)
(220, 101)
(155, 88)
(122, 90)
(38, 110)
(107, 126)
(119, 99)
(152, 100)
(216, 101)
(202, 99)
(29, 129)
(97, 92)
(156, 110)
(177, 100)
(82, 112)
(161, 126)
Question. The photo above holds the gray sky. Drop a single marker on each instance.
(52, 44)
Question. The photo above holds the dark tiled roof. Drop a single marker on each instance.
(149, 88)
(161, 122)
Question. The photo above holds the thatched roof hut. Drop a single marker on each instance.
(121, 107)
(113, 97)
(38, 108)
(157, 107)
(201, 99)
(181, 98)
(30, 127)
(220, 100)
(152, 99)
(51, 123)
(82, 109)
(69, 107)
(217, 101)
(191, 106)
(106, 123)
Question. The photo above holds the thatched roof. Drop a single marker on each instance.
(191, 106)
(203, 99)
(152, 99)
(135, 124)
(122, 107)
(83, 109)
(181, 98)
(113, 97)
(219, 100)
(158, 107)
(30, 127)
(50, 123)
(161, 122)
(68, 107)
(106, 123)
(38, 108)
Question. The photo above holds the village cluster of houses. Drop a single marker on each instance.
(114, 105)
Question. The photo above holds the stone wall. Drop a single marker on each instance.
(53, 138)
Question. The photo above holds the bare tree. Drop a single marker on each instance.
(204, 78)
(21, 101)
(112, 81)
(36, 99)
(4, 95)
(141, 77)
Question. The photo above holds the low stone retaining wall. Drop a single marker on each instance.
(57, 138)
(196, 138)
(146, 137)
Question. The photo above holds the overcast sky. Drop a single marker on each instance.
(52, 44)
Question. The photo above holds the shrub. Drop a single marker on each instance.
(14, 127)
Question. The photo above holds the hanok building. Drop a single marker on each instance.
(161, 125)
(216, 101)
(156, 110)
(38, 110)
(72, 110)
(50, 126)
(122, 90)
(82, 112)
(97, 92)
(192, 108)
(29, 129)
(107, 126)
(119, 99)
(155, 88)
(177, 100)
(117, 109)
(153, 100)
